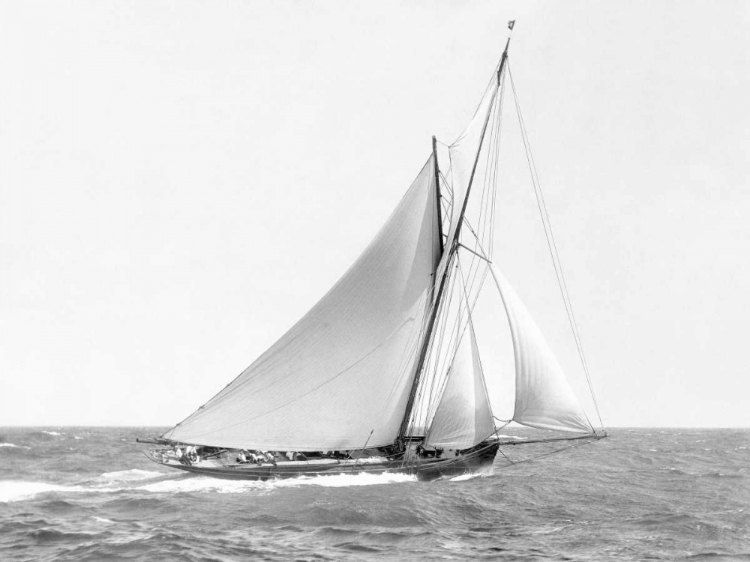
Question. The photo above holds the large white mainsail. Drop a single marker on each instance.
(544, 398)
(345, 368)
(463, 417)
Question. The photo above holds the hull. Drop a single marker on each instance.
(424, 469)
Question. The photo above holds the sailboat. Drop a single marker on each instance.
(384, 373)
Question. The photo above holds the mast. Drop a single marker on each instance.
(437, 193)
(454, 244)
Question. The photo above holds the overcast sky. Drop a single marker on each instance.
(180, 182)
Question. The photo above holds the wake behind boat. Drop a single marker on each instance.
(384, 373)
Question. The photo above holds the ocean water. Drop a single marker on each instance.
(646, 494)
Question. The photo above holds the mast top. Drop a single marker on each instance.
(511, 25)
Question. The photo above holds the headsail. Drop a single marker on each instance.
(544, 398)
(463, 417)
(345, 368)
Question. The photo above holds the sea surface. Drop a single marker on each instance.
(644, 494)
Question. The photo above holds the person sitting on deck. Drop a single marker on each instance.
(192, 454)
(257, 458)
(270, 457)
(241, 458)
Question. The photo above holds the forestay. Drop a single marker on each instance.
(544, 398)
(345, 368)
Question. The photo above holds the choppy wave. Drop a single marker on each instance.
(110, 482)
(14, 490)
(134, 474)
(208, 484)
(98, 498)
(465, 477)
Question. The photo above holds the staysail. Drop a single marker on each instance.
(544, 398)
(344, 370)
(463, 417)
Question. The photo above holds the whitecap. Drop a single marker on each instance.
(463, 477)
(14, 490)
(55, 433)
(207, 484)
(200, 484)
(344, 480)
(14, 446)
(18, 490)
(131, 475)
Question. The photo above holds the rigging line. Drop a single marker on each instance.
(552, 244)
(437, 340)
(475, 294)
(501, 103)
(453, 341)
(552, 439)
(461, 328)
(554, 253)
(543, 455)
(485, 223)
(449, 345)
(455, 338)
(490, 86)
(470, 327)
(433, 304)
(477, 254)
(475, 272)
(487, 156)
(495, 143)
(447, 184)
(437, 380)
(506, 456)
(553, 248)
